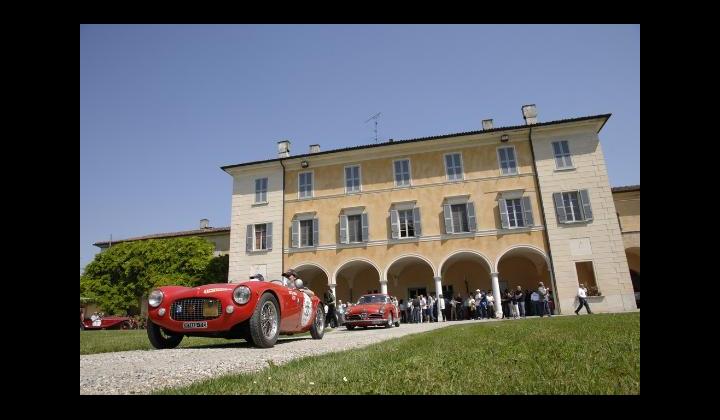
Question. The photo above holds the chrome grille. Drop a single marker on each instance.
(191, 309)
(375, 316)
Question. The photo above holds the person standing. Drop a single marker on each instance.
(514, 303)
(582, 297)
(453, 309)
(423, 308)
(520, 298)
(491, 304)
(544, 300)
(528, 303)
(505, 300)
(441, 307)
(330, 319)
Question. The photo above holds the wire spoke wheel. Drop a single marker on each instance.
(268, 320)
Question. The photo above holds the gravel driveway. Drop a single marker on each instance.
(142, 371)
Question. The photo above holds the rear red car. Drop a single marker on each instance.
(372, 310)
(257, 311)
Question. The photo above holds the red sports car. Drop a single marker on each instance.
(257, 311)
(107, 322)
(375, 309)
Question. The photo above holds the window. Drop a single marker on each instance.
(354, 228)
(506, 159)
(586, 277)
(259, 237)
(304, 232)
(352, 179)
(562, 155)
(516, 213)
(453, 166)
(459, 218)
(573, 206)
(305, 184)
(261, 190)
(405, 223)
(402, 173)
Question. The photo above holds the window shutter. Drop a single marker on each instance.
(559, 208)
(268, 236)
(343, 229)
(585, 201)
(504, 219)
(416, 222)
(448, 218)
(527, 211)
(394, 224)
(365, 233)
(472, 225)
(249, 238)
(316, 232)
(295, 228)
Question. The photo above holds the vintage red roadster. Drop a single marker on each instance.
(372, 310)
(257, 311)
(107, 322)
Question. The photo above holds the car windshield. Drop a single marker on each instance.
(371, 299)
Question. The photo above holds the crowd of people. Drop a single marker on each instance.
(480, 304)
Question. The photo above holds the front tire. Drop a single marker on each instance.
(265, 321)
(390, 322)
(349, 327)
(160, 339)
(318, 327)
(397, 322)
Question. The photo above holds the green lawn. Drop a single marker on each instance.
(99, 341)
(591, 354)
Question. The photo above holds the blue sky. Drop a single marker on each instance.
(162, 107)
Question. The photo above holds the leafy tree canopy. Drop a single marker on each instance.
(121, 274)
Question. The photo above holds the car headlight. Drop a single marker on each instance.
(241, 295)
(155, 298)
(381, 310)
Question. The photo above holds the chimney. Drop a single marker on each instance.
(204, 223)
(530, 114)
(487, 124)
(283, 148)
(314, 148)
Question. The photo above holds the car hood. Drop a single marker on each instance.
(368, 307)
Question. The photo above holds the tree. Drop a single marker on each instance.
(123, 273)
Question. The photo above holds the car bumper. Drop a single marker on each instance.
(224, 322)
(365, 322)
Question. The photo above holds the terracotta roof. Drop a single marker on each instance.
(390, 143)
(626, 188)
(195, 232)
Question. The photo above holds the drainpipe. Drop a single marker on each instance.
(546, 237)
(282, 221)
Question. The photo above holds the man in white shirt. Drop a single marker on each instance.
(441, 308)
(582, 297)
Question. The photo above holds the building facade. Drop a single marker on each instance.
(490, 209)
(627, 205)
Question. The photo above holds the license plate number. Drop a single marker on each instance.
(197, 324)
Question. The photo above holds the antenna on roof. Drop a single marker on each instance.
(374, 117)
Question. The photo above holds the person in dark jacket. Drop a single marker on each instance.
(528, 303)
(330, 318)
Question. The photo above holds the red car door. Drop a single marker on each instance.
(290, 309)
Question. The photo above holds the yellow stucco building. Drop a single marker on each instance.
(488, 209)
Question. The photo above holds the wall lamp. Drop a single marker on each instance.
(504, 138)
(304, 164)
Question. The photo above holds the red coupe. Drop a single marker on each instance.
(257, 311)
(375, 309)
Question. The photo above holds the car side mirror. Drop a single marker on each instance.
(298, 283)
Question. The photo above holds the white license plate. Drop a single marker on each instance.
(190, 325)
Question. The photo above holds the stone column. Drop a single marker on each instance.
(383, 286)
(496, 295)
(438, 292)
